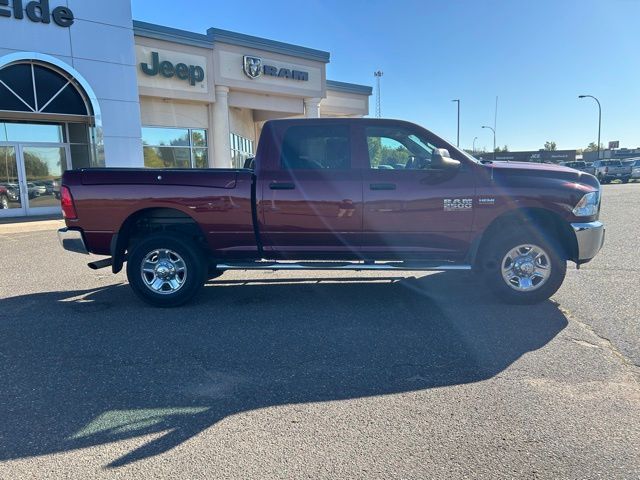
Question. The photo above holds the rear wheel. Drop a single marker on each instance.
(4, 202)
(166, 270)
(524, 269)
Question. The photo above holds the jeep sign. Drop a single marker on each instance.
(192, 73)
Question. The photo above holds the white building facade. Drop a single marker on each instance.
(83, 85)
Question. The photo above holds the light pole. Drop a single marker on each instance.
(474, 145)
(458, 138)
(494, 139)
(599, 118)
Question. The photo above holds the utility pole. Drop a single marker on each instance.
(474, 145)
(494, 139)
(458, 137)
(378, 76)
(599, 118)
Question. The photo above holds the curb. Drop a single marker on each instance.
(31, 226)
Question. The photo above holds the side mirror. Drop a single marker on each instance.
(441, 160)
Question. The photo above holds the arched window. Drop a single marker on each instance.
(34, 88)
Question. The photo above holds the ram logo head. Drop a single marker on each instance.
(252, 66)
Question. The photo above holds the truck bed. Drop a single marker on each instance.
(219, 200)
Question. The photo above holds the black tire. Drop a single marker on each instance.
(177, 250)
(496, 254)
(4, 202)
(625, 180)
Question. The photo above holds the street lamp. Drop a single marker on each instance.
(474, 145)
(494, 139)
(458, 138)
(599, 118)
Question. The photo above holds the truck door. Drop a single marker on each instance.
(311, 194)
(412, 210)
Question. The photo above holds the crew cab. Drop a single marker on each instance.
(609, 170)
(343, 194)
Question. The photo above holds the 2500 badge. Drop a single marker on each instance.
(457, 204)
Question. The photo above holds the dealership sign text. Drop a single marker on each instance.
(192, 73)
(253, 68)
(38, 12)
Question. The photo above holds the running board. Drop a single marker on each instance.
(353, 266)
(107, 262)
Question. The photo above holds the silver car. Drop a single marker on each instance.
(634, 163)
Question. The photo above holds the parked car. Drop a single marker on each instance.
(628, 164)
(609, 170)
(13, 192)
(33, 190)
(635, 169)
(4, 197)
(56, 188)
(579, 165)
(316, 200)
(47, 185)
(590, 168)
(40, 187)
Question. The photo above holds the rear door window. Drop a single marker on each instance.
(323, 147)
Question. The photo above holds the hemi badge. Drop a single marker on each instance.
(486, 201)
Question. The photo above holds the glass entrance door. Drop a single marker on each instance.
(11, 199)
(30, 176)
(42, 166)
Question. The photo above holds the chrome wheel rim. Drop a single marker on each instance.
(526, 268)
(4, 204)
(163, 271)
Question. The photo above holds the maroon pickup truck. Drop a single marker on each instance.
(343, 194)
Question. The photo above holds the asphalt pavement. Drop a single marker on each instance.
(323, 375)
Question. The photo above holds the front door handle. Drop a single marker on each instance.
(382, 186)
(282, 186)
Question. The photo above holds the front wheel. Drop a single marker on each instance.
(4, 202)
(524, 269)
(166, 270)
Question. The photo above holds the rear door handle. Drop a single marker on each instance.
(282, 186)
(382, 186)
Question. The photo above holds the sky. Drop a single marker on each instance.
(536, 56)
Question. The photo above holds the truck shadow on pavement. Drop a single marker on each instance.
(91, 367)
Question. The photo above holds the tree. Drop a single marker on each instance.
(35, 166)
(503, 149)
(550, 146)
(593, 147)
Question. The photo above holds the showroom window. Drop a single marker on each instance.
(175, 147)
(241, 149)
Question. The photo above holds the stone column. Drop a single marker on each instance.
(312, 107)
(220, 128)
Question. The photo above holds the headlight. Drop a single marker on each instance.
(588, 205)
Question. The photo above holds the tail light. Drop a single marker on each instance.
(606, 169)
(66, 200)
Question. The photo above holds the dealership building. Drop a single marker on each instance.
(83, 85)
